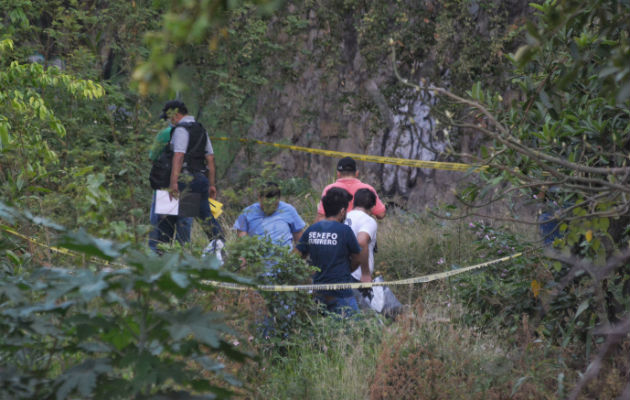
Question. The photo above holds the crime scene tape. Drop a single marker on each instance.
(449, 166)
(295, 288)
(359, 285)
(59, 250)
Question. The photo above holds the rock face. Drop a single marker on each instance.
(347, 110)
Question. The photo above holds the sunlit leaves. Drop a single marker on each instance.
(28, 123)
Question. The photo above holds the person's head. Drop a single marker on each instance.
(269, 197)
(364, 198)
(347, 167)
(336, 202)
(173, 111)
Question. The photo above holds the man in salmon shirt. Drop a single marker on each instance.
(347, 178)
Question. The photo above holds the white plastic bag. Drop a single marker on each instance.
(381, 299)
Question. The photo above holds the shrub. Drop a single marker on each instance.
(270, 264)
(107, 333)
(500, 294)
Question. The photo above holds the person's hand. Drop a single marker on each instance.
(366, 292)
(173, 191)
(212, 192)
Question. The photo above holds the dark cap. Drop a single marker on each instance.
(347, 164)
(173, 105)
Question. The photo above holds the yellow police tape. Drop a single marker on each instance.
(449, 166)
(293, 288)
(359, 285)
(59, 250)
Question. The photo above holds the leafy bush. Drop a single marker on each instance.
(271, 264)
(499, 294)
(122, 331)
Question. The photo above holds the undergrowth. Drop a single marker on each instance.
(474, 336)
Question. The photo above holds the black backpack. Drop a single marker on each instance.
(160, 175)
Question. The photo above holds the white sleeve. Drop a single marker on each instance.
(370, 227)
(209, 149)
(180, 140)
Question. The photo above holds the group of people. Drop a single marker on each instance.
(340, 242)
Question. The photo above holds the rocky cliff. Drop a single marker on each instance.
(342, 94)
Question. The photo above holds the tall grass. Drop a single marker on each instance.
(336, 360)
(411, 245)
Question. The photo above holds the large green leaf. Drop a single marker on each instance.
(81, 378)
(89, 245)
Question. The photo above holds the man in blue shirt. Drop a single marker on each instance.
(280, 223)
(270, 217)
(333, 248)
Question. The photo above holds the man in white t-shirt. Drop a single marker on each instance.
(364, 228)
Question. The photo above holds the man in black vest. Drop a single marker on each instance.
(193, 170)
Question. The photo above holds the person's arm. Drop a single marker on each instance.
(178, 161)
(296, 236)
(240, 233)
(363, 257)
(301, 247)
(379, 209)
(380, 215)
(212, 189)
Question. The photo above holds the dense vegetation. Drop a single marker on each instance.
(546, 90)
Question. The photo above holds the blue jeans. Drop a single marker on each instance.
(345, 306)
(198, 184)
(183, 227)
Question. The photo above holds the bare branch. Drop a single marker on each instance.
(580, 264)
(509, 139)
(615, 334)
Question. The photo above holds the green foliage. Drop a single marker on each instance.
(188, 23)
(29, 128)
(246, 189)
(562, 137)
(271, 264)
(67, 139)
(594, 43)
(501, 294)
(127, 331)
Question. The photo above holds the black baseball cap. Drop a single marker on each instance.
(347, 164)
(173, 105)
